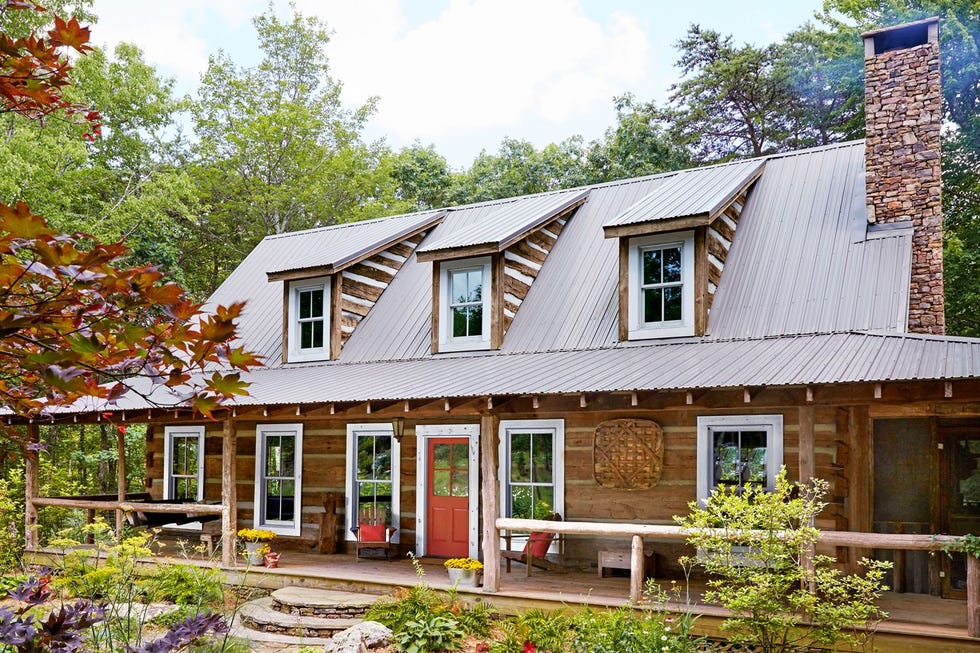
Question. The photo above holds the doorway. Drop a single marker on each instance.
(447, 499)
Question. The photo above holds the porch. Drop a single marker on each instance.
(916, 622)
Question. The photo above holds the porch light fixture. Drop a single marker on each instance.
(398, 428)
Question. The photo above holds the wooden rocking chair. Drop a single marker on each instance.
(372, 530)
(535, 550)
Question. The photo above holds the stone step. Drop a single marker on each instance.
(260, 615)
(311, 602)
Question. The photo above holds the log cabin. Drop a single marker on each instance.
(611, 353)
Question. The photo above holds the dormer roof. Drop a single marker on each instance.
(687, 199)
(468, 234)
(332, 249)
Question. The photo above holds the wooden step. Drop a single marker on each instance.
(312, 602)
(260, 615)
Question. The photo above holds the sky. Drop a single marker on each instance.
(462, 74)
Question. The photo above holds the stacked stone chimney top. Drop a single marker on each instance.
(903, 112)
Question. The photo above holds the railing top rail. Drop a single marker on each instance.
(659, 531)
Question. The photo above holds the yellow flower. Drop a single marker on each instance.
(255, 535)
(463, 563)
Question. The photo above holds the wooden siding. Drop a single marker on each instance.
(523, 261)
(362, 283)
(720, 236)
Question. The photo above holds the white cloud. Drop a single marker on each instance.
(481, 64)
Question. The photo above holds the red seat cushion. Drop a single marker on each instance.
(539, 543)
(372, 532)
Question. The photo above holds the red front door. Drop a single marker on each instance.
(448, 515)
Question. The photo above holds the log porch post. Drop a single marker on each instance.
(120, 480)
(972, 595)
(490, 495)
(637, 569)
(229, 493)
(31, 488)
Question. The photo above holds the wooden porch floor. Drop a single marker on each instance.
(916, 622)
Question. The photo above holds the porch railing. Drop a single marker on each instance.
(636, 533)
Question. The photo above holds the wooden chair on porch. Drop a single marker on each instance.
(373, 530)
(536, 549)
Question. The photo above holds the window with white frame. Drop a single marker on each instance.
(309, 319)
(737, 451)
(661, 286)
(532, 468)
(183, 463)
(464, 289)
(278, 478)
(372, 472)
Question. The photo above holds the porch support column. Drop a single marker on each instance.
(859, 478)
(972, 595)
(490, 496)
(120, 481)
(637, 569)
(806, 446)
(31, 488)
(229, 493)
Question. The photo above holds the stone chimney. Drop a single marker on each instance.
(903, 106)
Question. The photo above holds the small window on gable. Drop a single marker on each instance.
(309, 319)
(464, 304)
(737, 451)
(661, 286)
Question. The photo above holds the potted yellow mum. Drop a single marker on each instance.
(256, 542)
(464, 572)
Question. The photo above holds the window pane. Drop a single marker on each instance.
(461, 456)
(460, 293)
(672, 303)
(542, 450)
(544, 501)
(520, 501)
(305, 305)
(652, 305)
(306, 335)
(367, 489)
(382, 457)
(672, 265)
(475, 326)
(460, 321)
(651, 267)
(475, 285)
(440, 455)
(273, 457)
(461, 484)
(440, 483)
(754, 457)
(288, 462)
(317, 335)
(520, 458)
(365, 456)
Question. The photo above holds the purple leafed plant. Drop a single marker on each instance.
(61, 631)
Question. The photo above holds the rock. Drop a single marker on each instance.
(370, 633)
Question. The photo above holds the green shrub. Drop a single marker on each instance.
(631, 630)
(781, 595)
(430, 634)
(185, 585)
(547, 631)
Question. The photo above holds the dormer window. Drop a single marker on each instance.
(465, 298)
(309, 319)
(661, 286)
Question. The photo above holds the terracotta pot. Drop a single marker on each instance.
(272, 560)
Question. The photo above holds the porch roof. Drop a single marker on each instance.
(685, 364)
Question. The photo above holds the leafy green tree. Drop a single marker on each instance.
(422, 176)
(732, 101)
(638, 144)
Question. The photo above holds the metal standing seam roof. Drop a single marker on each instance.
(505, 223)
(818, 359)
(337, 245)
(698, 191)
(795, 267)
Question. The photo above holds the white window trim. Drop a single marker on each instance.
(351, 476)
(639, 330)
(557, 427)
(771, 424)
(424, 433)
(169, 432)
(317, 353)
(295, 526)
(468, 343)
